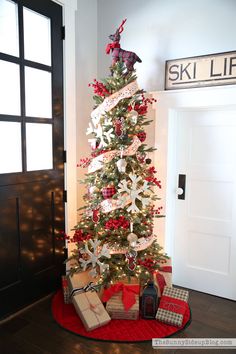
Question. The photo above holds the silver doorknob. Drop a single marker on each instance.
(179, 191)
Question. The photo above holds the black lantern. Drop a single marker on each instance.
(149, 301)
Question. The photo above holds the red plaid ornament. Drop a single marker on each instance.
(108, 192)
(142, 136)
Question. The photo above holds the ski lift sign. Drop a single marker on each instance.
(205, 70)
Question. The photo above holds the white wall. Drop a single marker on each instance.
(86, 71)
(158, 30)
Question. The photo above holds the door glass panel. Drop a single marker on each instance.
(10, 147)
(9, 43)
(9, 88)
(37, 37)
(39, 146)
(38, 93)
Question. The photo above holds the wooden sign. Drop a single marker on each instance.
(206, 70)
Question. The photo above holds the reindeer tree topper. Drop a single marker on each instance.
(118, 54)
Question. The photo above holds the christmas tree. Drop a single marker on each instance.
(114, 238)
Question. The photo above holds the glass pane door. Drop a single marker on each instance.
(9, 88)
(10, 147)
(37, 37)
(32, 209)
(9, 40)
(25, 88)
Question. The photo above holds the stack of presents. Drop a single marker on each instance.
(124, 300)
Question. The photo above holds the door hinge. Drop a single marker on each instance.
(64, 156)
(65, 196)
(65, 252)
(63, 32)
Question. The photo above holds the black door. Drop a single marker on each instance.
(31, 151)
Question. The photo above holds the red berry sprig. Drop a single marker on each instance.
(142, 107)
(156, 211)
(84, 162)
(99, 88)
(154, 180)
(79, 236)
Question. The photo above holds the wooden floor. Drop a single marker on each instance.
(34, 331)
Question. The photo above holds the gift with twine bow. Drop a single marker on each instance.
(122, 301)
(89, 307)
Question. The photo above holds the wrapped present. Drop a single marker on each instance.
(90, 308)
(65, 289)
(163, 277)
(130, 280)
(172, 306)
(122, 301)
(78, 280)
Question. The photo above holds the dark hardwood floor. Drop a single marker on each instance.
(34, 331)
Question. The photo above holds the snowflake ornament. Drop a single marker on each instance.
(109, 135)
(90, 129)
(99, 133)
(93, 257)
(108, 122)
(132, 192)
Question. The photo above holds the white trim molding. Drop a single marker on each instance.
(69, 66)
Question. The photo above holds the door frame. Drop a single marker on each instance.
(167, 107)
(69, 78)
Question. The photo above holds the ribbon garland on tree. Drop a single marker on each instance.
(106, 106)
(111, 101)
(98, 162)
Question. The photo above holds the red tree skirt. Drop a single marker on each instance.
(116, 330)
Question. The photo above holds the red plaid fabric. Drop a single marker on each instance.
(108, 192)
(142, 136)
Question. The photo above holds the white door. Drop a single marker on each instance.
(201, 229)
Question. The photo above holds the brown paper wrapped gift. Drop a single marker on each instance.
(90, 310)
(122, 301)
(81, 279)
(163, 277)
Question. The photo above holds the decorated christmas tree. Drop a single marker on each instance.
(114, 238)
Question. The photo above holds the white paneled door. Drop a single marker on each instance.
(201, 227)
(205, 223)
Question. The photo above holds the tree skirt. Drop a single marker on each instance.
(116, 330)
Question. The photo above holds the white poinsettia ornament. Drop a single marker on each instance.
(92, 257)
(131, 191)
